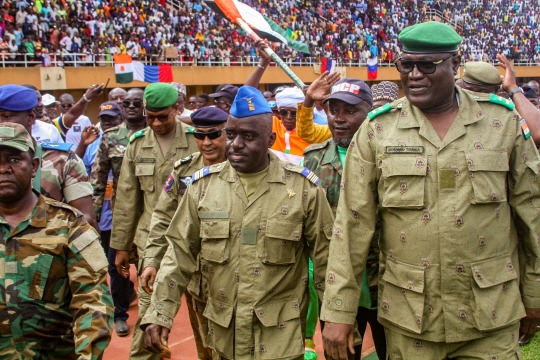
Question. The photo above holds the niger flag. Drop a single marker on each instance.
(123, 68)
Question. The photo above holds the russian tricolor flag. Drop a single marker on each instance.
(327, 65)
(152, 73)
(372, 69)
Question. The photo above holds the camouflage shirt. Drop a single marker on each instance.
(323, 160)
(54, 300)
(108, 157)
(63, 176)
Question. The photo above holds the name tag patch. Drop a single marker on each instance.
(404, 150)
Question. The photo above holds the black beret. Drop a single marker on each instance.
(208, 116)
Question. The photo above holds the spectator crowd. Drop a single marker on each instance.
(66, 32)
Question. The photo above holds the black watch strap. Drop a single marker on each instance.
(515, 91)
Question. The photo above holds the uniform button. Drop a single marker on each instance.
(158, 307)
(338, 302)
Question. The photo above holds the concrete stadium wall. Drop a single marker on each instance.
(198, 79)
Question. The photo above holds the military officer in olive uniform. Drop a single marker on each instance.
(210, 137)
(254, 220)
(148, 160)
(454, 177)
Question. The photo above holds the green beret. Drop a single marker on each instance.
(158, 96)
(481, 73)
(429, 37)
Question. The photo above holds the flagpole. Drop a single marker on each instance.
(271, 53)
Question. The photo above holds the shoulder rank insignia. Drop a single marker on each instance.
(501, 101)
(183, 161)
(308, 174)
(525, 128)
(136, 135)
(206, 171)
(168, 183)
(57, 146)
(381, 110)
(190, 130)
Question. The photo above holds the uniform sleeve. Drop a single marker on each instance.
(100, 175)
(524, 198)
(91, 303)
(352, 232)
(157, 245)
(127, 211)
(76, 182)
(318, 232)
(179, 263)
(309, 131)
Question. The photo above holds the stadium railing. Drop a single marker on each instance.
(93, 60)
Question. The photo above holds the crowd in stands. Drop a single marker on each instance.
(350, 31)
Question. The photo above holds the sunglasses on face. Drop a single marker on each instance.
(192, 102)
(136, 103)
(284, 113)
(66, 106)
(217, 102)
(211, 135)
(426, 67)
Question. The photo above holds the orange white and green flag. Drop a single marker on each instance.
(123, 68)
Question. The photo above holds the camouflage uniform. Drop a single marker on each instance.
(55, 302)
(108, 157)
(451, 213)
(63, 175)
(144, 171)
(256, 255)
(323, 160)
(157, 245)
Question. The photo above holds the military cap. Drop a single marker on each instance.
(248, 102)
(110, 108)
(17, 98)
(208, 117)
(16, 136)
(385, 90)
(181, 88)
(351, 91)
(429, 37)
(228, 91)
(48, 100)
(158, 96)
(481, 73)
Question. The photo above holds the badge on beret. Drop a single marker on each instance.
(250, 105)
(168, 183)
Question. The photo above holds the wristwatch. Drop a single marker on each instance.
(513, 92)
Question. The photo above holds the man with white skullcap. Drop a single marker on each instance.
(288, 145)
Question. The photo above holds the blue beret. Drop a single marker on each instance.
(208, 117)
(17, 98)
(248, 102)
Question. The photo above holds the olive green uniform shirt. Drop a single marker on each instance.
(144, 171)
(451, 211)
(256, 255)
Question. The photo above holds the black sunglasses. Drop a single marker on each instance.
(192, 102)
(426, 67)
(285, 112)
(64, 106)
(136, 103)
(211, 135)
(221, 102)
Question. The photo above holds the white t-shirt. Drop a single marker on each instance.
(73, 136)
(44, 132)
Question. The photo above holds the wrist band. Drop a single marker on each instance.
(262, 67)
(515, 91)
(85, 98)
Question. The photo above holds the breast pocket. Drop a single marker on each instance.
(35, 274)
(145, 174)
(488, 170)
(214, 245)
(280, 242)
(404, 178)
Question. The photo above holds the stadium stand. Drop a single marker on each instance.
(88, 33)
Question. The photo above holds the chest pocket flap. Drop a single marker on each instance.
(488, 169)
(145, 173)
(404, 179)
(215, 233)
(281, 242)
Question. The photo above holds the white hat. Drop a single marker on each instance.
(48, 99)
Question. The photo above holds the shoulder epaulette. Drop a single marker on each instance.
(57, 146)
(183, 161)
(62, 205)
(318, 146)
(501, 101)
(380, 110)
(305, 172)
(190, 130)
(207, 170)
(136, 135)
